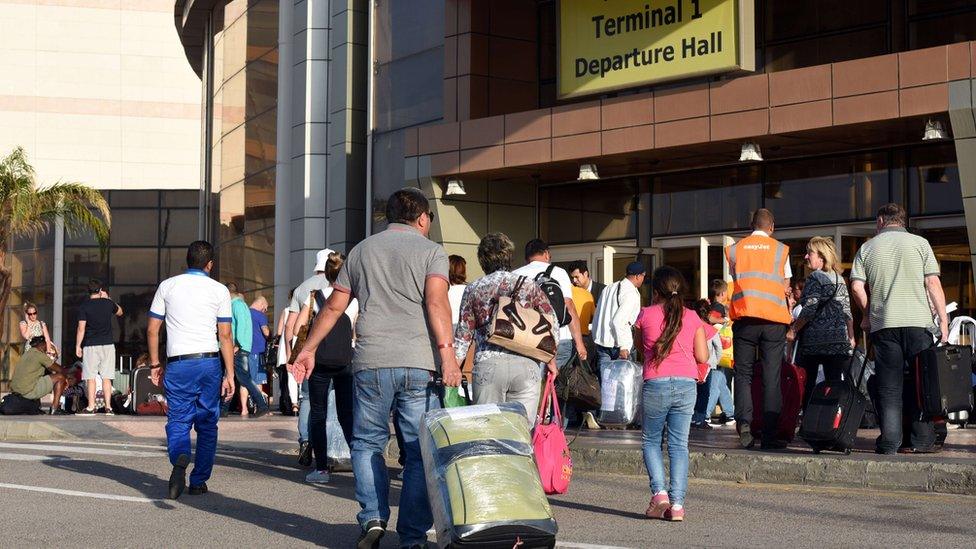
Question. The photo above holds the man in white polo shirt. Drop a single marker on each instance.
(195, 308)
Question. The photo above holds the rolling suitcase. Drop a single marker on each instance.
(962, 331)
(834, 413)
(144, 390)
(792, 380)
(944, 379)
(482, 480)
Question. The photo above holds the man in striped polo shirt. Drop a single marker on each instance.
(901, 273)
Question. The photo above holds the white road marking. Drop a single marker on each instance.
(76, 450)
(95, 495)
(117, 444)
(26, 457)
(570, 545)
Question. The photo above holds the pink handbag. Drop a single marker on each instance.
(552, 455)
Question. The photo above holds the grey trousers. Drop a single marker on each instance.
(508, 378)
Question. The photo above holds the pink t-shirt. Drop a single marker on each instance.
(681, 362)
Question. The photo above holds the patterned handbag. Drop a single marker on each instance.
(521, 330)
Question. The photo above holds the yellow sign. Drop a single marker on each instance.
(613, 44)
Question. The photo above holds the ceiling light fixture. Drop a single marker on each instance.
(455, 187)
(934, 131)
(588, 172)
(750, 152)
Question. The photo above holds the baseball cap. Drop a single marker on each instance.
(321, 258)
(635, 268)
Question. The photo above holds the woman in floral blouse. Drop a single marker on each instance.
(499, 374)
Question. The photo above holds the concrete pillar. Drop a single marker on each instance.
(962, 98)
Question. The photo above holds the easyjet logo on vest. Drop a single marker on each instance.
(756, 246)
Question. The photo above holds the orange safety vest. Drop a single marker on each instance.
(759, 271)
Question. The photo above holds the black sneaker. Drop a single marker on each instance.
(702, 426)
(745, 436)
(261, 412)
(372, 533)
(85, 412)
(305, 453)
(197, 490)
(177, 479)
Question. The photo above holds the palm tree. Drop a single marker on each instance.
(27, 210)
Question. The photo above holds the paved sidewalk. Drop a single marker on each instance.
(715, 454)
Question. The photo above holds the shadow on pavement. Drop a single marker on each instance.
(595, 509)
(299, 527)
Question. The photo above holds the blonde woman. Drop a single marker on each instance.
(32, 326)
(824, 329)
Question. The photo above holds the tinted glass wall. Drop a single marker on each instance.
(800, 192)
(241, 175)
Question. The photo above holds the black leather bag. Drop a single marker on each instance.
(16, 405)
(577, 384)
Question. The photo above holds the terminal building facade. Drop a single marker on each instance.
(613, 130)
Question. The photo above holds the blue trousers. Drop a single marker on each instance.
(193, 395)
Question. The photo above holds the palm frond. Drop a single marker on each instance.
(17, 176)
(74, 203)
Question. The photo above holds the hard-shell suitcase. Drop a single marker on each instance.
(962, 331)
(123, 374)
(482, 480)
(792, 380)
(944, 380)
(834, 413)
(144, 390)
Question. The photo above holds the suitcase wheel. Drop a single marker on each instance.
(847, 451)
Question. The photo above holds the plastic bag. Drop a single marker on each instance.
(620, 392)
(482, 479)
(337, 449)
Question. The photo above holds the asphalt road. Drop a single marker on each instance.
(110, 495)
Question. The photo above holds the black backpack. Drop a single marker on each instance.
(16, 405)
(555, 294)
(334, 354)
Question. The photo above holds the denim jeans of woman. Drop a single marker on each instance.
(668, 403)
(718, 393)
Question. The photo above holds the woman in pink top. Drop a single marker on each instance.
(675, 341)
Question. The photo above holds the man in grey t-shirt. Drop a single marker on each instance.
(902, 274)
(402, 335)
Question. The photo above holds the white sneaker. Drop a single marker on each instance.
(318, 477)
(591, 421)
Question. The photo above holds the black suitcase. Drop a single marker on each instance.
(834, 414)
(944, 380)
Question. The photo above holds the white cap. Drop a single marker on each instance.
(321, 258)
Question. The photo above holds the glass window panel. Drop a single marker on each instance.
(262, 28)
(32, 268)
(232, 107)
(135, 228)
(416, 101)
(918, 7)
(933, 181)
(232, 158)
(407, 28)
(230, 260)
(180, 199)
(823, 190)
(708, 201)
(588, 212)
(134, 199)
(83, 264)
(231, 212)
(172, 261)
(951, 247)
(178, 227)
(827, 49)
(131, 327)
(388, 172)
(942, 30)
(789, 18)
(235, 47)
(260, 146)
(262, 84)
(258, 260)
(133, 266)
(259, 201)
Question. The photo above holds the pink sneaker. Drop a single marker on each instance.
(660, 505)
(674, 515)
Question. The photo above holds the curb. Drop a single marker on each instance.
(32, 430)
(915, 476)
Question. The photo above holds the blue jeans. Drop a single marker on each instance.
(668, 400)
(564, 352)
(304, 411)
(193, 395)
(605, 355)
(718, 393)
(243, 375)
(378, 392)
(255, 364)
